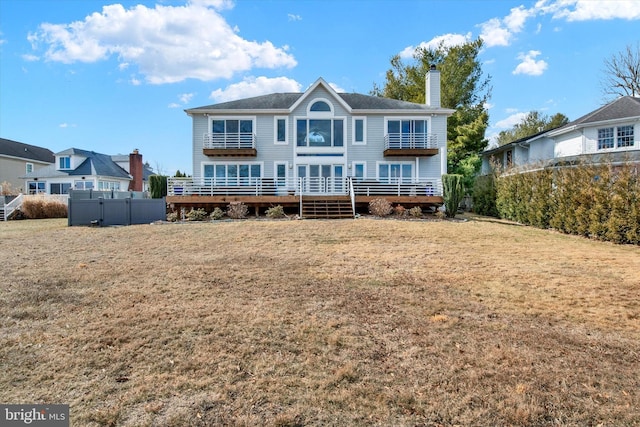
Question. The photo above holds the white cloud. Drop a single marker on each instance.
(255, 86)
(167, 44)
(529, 65)
(66, 125)
(293, 17)
(500, 32)
(510, 121)
(587, 10)
(30, 58)
(185, 97)
(447, 40)
(174, 105)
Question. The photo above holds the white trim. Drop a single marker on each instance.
(286, 130)
(364, 168)
(234, 117)
(231, 162)
(354, 119)
(401, 163)
(26, 167)
(321, 114)
(302, 148)
(321, 82)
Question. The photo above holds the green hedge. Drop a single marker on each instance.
(599, 201)
(158, 186)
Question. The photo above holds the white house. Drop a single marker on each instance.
(87, 170)
(280, 147)
(611, 132)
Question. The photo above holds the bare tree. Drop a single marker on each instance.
(622, 73)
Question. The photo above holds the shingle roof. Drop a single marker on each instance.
(25, 151)
(623, 107)
(283, 101)
(94, 164)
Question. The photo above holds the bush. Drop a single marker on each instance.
(275, 212)
(415, 211)
(237, 210)
(453, 193)
(400, 210)
(380, 207)
(173, 217)
(41, 208)
(197, 215)
(217, 214)
(158, 186)
(484, 195)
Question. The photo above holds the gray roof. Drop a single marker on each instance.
(621, 108)
(94, 164)
(25, 151)
(284, 101)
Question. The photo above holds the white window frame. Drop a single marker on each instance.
(315, 114)
(28, 167)
(354, 164)
(364, 130)
(37, 185)
(81, 184)
(401, 163)
(60, 160)
(232, 163)
(631, 135)
(286, 130)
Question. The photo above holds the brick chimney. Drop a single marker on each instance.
(432, 90)
(135, 170)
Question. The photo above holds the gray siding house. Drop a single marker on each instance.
(611, 131)
(17, 159)
(285, 147)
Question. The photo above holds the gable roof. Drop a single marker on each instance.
(25, 151)
(94, 164)
(286, 102)
(625, 107)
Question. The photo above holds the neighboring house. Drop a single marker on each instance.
(275, 148)
(124, 161)
(18, 159)
(612, 132)
(86, 170)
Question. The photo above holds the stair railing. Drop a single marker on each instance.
(353, 196)
(10, 207)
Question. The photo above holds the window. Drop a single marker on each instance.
(359, 125)
(64, 162)
(605, 138)
(393, 172)
(232, 173)
(320, 132)
(281, 174)
(35, 187)
(236, 132)
(407, 133)
(281, 130)
(509, 158)
(320, 106)
(29, 168)
(108, 185)
(625, 136)
(60, 188)
(359, 171)
(83, 185)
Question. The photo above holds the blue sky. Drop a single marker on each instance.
(112, 76)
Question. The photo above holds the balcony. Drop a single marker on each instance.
(410, 144)
(241, 144)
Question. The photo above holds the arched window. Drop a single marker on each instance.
(320, 106)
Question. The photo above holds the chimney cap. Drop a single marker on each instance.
(135, 151)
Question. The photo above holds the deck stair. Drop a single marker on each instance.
(316, 207)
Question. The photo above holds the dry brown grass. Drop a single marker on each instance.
(284, 323)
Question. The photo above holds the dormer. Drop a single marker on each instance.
(68, 160)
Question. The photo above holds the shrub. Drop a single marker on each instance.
(158, 186)
(41, 208)
(453, 193)
(415, 211)
(217, 214)
(6, 189)
(380, 207)
(484, 195)
(275, 212)
(237, 210)
(173, 217)
(400, 210)
(197, 215)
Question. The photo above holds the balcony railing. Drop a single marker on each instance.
(400, 141)
(238, 140)
(304, 186)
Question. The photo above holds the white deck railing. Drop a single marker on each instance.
(410, 141)
(10, 207)
(304, 186)
(229, 140)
